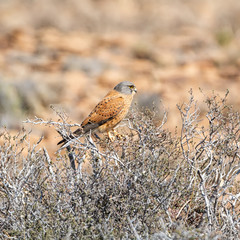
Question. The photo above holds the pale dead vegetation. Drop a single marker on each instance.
(150, 185)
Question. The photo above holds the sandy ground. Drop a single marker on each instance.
(69, 54)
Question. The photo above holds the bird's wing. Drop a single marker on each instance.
(106, 110)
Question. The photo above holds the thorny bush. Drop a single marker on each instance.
(150, 184)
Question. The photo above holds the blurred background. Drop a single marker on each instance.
(69, 53)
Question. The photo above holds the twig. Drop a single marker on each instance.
(133, 228)
(207, 202)
(184, 205)
(49, 163)
(71, 158)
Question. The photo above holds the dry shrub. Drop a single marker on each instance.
(149, 185)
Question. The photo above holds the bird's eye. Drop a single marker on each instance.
(131, 86)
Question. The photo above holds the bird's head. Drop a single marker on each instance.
(126, 88)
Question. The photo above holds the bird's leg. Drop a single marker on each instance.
(110, 136)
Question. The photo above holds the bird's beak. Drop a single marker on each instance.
(135, 90)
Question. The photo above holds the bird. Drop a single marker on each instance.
(108, 113)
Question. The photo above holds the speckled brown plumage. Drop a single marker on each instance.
(110, 111)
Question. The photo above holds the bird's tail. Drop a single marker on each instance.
(66, 139)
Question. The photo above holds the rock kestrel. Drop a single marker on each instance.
(108, 113)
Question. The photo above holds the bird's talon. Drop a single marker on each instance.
(119, 135)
